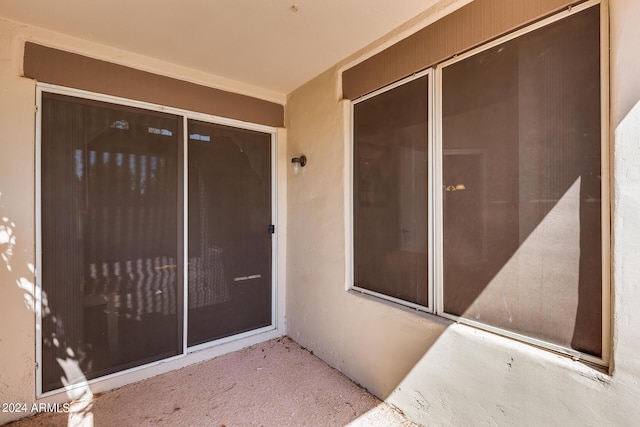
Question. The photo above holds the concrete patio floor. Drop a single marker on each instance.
(275, 383)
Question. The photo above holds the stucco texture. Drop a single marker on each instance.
(438, 372)
(435, 371)
(17, 233)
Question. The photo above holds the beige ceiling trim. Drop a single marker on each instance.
(49, 65)
(472, 25)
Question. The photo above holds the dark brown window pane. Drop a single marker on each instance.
(229, 240)
(521, 177)
(390, 192)
(110, 231)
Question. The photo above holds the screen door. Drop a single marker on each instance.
(111, 223)
(230, 284)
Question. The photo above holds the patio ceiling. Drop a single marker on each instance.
(272, 44)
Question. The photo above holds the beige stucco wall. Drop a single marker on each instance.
(17, 213)
(17, 232)
(438, 372)
(625, 123)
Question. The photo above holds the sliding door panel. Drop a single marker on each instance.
(111, 287)
(230, 286)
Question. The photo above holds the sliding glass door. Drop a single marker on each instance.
(111, 224)
(116, 245)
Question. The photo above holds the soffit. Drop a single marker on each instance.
(272, 44)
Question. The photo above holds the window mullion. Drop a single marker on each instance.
(185, 233)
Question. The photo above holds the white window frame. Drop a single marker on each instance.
(276, 328)
(435, 221)
(429, 308)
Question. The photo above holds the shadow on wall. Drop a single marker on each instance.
(521, 209)
(462, 363)
(21, 275)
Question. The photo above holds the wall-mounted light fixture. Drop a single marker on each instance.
(298, 162)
